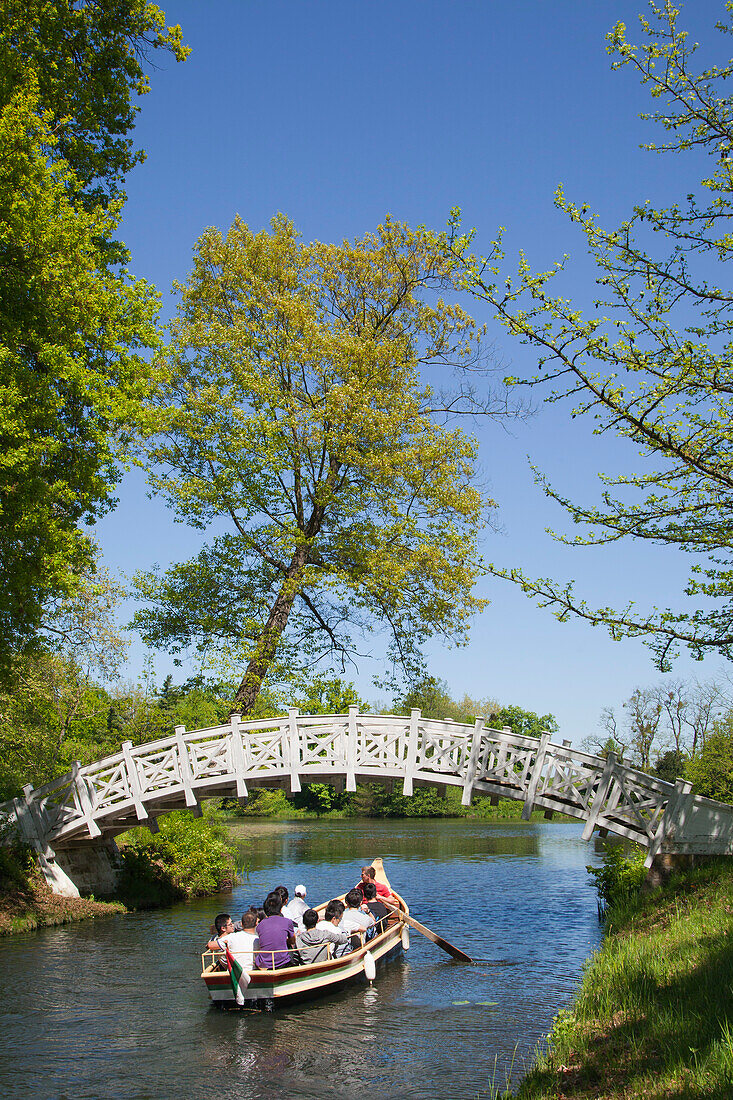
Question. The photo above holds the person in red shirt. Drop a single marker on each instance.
(368, 874)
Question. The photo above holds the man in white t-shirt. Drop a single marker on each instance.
(243, 944)
(296, 907)
(354, 918)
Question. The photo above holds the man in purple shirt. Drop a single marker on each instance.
(276, 934)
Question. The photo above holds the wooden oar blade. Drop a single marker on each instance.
(446, 945)
(439, 941)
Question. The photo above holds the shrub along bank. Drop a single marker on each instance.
(189, 857)
(654, 1014)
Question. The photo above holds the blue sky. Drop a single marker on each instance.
(337, 113)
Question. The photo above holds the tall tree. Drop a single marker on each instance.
(73, 381)
(656, 369)
(88, 59)
(71, 376)
(295, 424)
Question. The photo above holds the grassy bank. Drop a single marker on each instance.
(654, 1014)
(27, 902)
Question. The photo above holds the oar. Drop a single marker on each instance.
(429, 934)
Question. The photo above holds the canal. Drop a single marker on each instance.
(116, 1009)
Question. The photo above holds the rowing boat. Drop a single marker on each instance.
(265, 988)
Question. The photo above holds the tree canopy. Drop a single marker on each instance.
(74, 326)
(88, 60)
(294, 423)
(653, 362)
(71, 373)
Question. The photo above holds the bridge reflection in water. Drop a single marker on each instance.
(82, 810)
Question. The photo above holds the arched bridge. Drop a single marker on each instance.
(137, 784)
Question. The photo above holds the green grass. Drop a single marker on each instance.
(654, 1014)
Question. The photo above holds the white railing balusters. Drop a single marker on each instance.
(135, 785)
(187, 777)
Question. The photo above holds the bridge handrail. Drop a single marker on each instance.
(133, 785)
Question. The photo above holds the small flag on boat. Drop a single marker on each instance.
(238, 976)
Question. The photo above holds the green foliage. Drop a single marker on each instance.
(619, 880)
(291, 411)
(17, 862)
(432, 696)
(711, 769)
(189, 857)
(269, 803)
(523, 722)
(317, 798)
(70, 374)
(88, 60)
(327, 695)
(670, 764)
(651, 361)
(73, 381)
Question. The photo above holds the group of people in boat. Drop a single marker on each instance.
(286, 932)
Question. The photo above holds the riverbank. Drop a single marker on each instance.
(653, 1017)
(27, 902)
(187, 858)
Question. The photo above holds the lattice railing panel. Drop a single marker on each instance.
(636, 804)
(442, 749)
(323, 746)
(380, 745)
(207, 758)
(265, 750)
(506, 763)
(109, 786)
(159, 770)
(567, 780)
(60, 807)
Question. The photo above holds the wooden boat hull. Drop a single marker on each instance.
(295, 983)
(304, 982)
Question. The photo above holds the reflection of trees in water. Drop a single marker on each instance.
(325, 1047)
(328, 841)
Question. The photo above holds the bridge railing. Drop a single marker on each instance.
(140, 782)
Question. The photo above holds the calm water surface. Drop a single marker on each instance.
(116, 1009)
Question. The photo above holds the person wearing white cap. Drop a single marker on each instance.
(296, 906)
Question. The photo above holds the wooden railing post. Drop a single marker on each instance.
(32, 823)
(411, 759)
(133, 780)
(673, 815)
(237, 755)
(604, 784)
(85, 801)
(534, 779)
(472, 764)
(351, 744)
(293, 741)
(184, 762)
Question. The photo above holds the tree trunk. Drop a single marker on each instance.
(269, 639)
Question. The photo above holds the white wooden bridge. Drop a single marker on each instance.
(134, 786)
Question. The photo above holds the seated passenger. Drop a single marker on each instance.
(243, 944)
(368, 874)
(276, 934)
(330, 922)
(378, 910)
(223, 926)
(313, 941)
(296, 907)
(354, 918)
